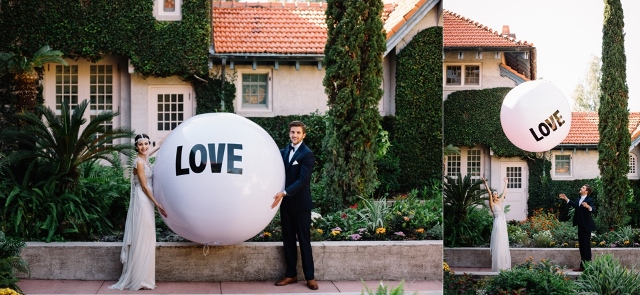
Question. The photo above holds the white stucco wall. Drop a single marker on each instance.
(489, 71)
(141, 116)
(290, 91)
(584, 164)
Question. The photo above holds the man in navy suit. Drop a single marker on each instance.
(295, 210)
(582, 218)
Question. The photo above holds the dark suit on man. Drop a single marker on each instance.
(584, 221)
(295, 210)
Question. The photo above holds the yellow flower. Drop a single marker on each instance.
(577, 245)
(420, 230)
(552, 243)
(445, 267)
(381, 230)
(335, 232)
(266, 234)
(602, 243)
(8, 291)
(320, 231)
(406, 218)
(626, 242)
(565, 244)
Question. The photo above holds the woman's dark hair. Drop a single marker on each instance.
(138, 137)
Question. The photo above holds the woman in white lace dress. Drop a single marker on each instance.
(500, 255)
(138, 255)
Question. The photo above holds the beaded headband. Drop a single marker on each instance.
(141, 138)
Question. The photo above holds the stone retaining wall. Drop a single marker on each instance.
(570, 257)
(251, 261)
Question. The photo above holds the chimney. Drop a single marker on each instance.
(507, 32)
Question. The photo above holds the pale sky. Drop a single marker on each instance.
(565, 33)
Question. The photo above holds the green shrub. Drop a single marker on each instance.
(457, 284)
(543, 239)
(517, 235)
(384, 290)
(531, 278)
(605, 275)
(10, 262)
(475, 230)
(565, 234)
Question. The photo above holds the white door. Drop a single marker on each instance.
(168, 106)
(516, 173)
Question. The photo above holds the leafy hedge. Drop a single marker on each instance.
(417, 137)
(472, 117)
(97, 28)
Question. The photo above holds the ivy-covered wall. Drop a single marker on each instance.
(417, 138)
(125, 28)
(472, 117)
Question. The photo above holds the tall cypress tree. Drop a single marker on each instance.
(613, 148)
(353, 79)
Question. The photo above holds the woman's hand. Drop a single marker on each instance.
(161, 210)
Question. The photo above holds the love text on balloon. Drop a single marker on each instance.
(547, 126)
(209, 156)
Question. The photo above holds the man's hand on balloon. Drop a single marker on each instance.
(276, 199)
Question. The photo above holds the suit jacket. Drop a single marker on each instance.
(298, 178)
(582, 216)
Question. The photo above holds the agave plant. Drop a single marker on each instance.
(64, 142)
(460, 194)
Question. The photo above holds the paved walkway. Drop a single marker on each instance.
(326, 287)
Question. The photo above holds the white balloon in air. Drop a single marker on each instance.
(535, 116)
(216, 175)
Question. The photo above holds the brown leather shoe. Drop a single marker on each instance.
(286, 281)
(312, 284)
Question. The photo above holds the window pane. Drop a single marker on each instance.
(472, 75)
(254, 90)
(514, 176)
(169, 5)
(632, 164)
(473, 163)
(453, 165)
(563, 165)
(454, 75)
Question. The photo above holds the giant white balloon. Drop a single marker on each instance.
(535, 116)
(216, 175)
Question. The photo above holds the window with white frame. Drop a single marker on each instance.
(79, 81)
(462, 75)
(633, 164)
(167, 10)
(255, 92)
(170, 110)
(562, 165)
(468, 162)
(453, 165)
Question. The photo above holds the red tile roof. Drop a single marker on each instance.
(584, 128)
(286, 28)
(463, 32)
(401, 12)
(277, 28)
